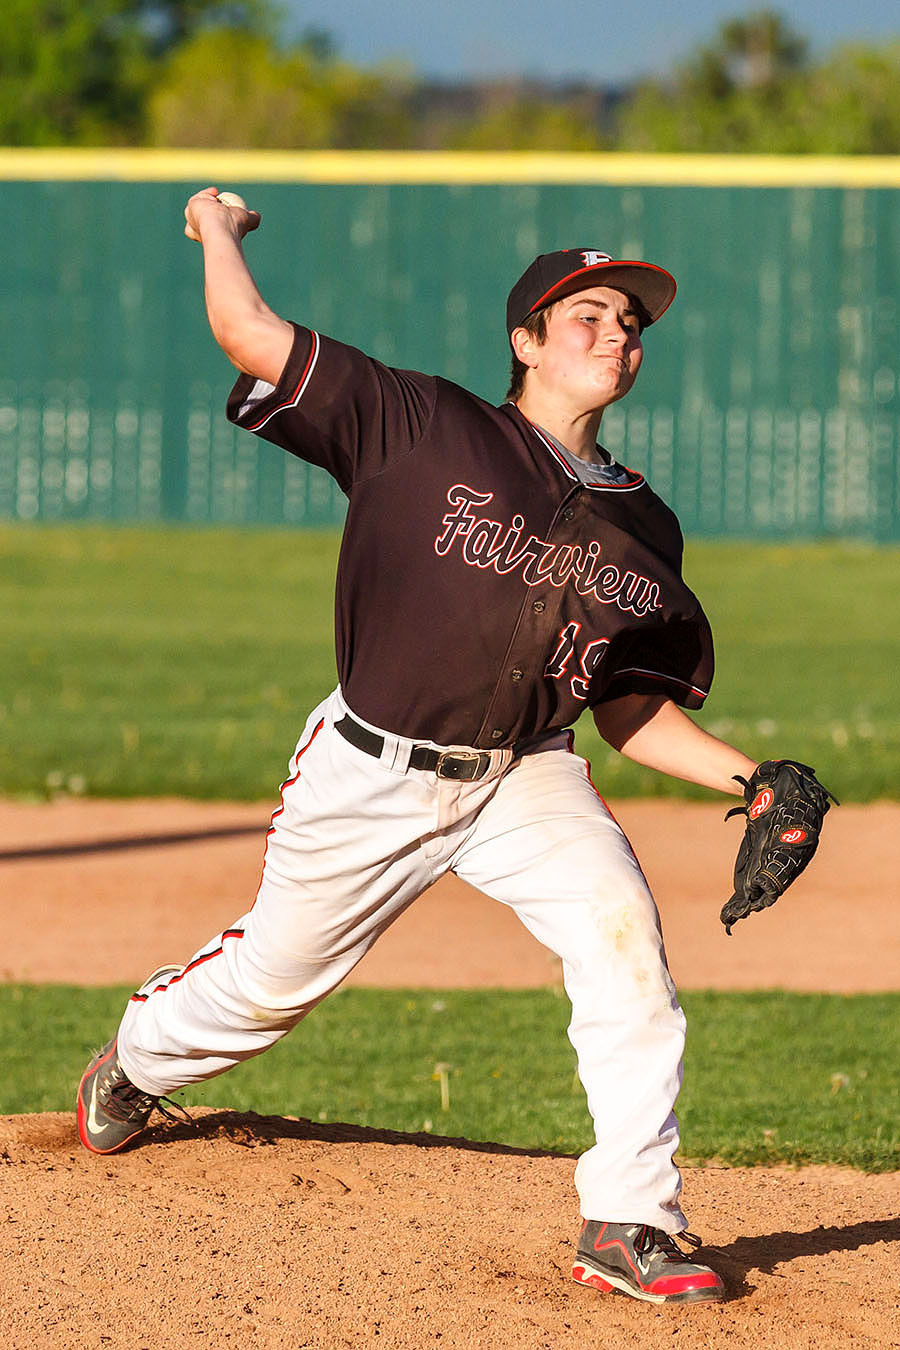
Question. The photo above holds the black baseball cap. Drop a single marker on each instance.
(554, 275)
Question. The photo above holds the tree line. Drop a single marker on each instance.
(220, 73)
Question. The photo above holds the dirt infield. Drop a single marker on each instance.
(259, 1232)
(102, 892)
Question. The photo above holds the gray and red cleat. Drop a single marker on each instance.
(110, 1109)
(644, 1262)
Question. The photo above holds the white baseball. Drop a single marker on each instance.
(232, 199)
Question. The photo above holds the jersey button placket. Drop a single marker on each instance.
(536, 626)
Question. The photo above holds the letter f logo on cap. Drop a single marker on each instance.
(591, 259)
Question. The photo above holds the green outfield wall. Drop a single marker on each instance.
(768, 404)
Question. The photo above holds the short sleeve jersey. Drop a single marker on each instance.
(484, 594)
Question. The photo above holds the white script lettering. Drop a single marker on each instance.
(487, 543)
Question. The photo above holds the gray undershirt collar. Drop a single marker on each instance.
(589, 471)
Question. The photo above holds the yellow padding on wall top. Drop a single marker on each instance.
(221, 167)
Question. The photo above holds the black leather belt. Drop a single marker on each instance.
(465, 766)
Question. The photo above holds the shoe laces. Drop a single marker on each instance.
(123, 1101)
(180, 1114)
(126, 1102)
(650, 1237)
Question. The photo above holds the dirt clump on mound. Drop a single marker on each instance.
(263, 1232)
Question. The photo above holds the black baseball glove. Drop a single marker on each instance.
(785, 806)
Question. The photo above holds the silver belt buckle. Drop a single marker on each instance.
(452, 764)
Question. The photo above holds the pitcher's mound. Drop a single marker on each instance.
(252, 1231)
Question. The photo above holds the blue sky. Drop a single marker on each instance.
(564, 38)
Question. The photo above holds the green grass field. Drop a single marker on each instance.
(768, 1076)
(177, 661)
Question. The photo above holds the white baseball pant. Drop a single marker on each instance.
(354, 842)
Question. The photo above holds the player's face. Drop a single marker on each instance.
(593, 349)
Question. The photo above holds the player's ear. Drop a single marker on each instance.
(525, 346)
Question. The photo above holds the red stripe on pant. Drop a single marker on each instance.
(288, 782)
(192, 965)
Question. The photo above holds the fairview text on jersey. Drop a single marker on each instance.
(486, 544)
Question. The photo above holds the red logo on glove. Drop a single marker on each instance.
(792, 836)
(761, 802)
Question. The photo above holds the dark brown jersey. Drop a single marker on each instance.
(484, 594)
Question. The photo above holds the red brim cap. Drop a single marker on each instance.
(554, 275)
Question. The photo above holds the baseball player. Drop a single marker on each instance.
(499, 573)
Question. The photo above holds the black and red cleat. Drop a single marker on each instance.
(644, 1262)
(111, 1110)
